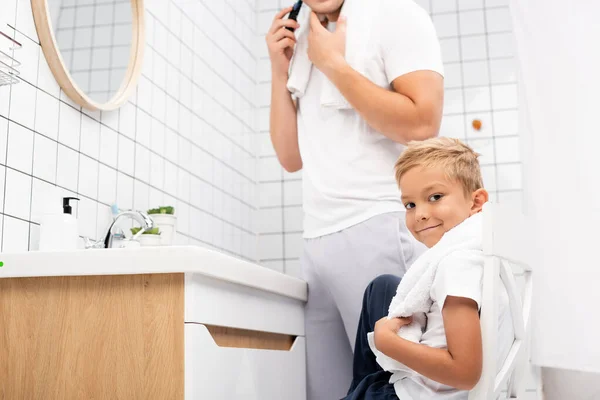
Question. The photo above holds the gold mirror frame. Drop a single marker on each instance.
(45, 31)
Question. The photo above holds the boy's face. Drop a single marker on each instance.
(434, 204)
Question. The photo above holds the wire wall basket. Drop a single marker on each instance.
(9, 66)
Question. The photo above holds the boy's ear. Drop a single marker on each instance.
(480, 197)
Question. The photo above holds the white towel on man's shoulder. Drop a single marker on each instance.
(361, 17)
(413, 297)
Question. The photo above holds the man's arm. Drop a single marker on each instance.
(412, 111)
(284, 125)
(460, 365)
(283, 112)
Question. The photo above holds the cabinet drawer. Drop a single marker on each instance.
(224, 373)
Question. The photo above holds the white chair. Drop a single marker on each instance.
(507, 244)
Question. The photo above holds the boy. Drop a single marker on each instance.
(441, 186)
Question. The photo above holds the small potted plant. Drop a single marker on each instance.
(164, 218)
(151, 237)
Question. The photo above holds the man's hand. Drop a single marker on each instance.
(326, 50)
(281, 42)
(384, 328)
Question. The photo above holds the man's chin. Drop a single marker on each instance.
(326, 7)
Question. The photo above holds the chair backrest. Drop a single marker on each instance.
(507, 246)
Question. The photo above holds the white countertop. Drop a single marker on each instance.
(151, 260)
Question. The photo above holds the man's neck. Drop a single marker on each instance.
(333, 17)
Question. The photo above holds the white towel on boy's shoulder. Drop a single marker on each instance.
(361, 17)
(464, 244)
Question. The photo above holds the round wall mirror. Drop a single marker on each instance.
(94, 47)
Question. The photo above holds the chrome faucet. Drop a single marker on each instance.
(141, 217)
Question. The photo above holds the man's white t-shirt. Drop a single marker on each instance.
(454, 279)
(348, 167)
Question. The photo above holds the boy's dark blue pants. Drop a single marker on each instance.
(369, 381)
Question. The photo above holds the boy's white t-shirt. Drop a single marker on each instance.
(348, 167)
(459, 280)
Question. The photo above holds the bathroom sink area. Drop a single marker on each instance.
(151, 260)
(163, 322)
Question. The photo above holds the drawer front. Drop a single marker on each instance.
(225, 373)
(216, 302)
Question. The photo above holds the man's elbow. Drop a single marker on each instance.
(426, 130)
(291, 164)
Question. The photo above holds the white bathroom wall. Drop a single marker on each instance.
(478, 52)
(186, 137)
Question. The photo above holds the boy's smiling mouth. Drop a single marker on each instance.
(428, 228)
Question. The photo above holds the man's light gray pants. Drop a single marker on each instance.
(338, 268)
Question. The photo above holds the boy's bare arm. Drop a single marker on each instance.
(458, 366)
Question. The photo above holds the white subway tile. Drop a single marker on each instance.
(470, 4)
(124, 191)
(508, 150)
(126, 159)
(501, 45)
(45, 199)
(453, 101)
(270, 194)
(473, 48)
(90, 137)
(292, 193)
(107, 185)
(171, 178)
(17, 198)
(446, 25)
(67, 169)
(108, 146)
(141, 195)
(476, 73)
(270, 220)
(20, 148)
(270, 247)
(69, 126)
(453, 126)
(505, 96)
(488, 173)
(509, 177)
(472, 22)
(498, 20)
(157, 171)
(3, 139)
(88, 177)
(453, 75)
(22, 109)
(503, 71)
(15, 235)
(477, 99)
(450, 50)
(293, 245)
(293, 219)
(506, 122)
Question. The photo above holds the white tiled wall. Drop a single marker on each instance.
(186, 138)
(478, 52)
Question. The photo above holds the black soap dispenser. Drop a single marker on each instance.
(60, 232)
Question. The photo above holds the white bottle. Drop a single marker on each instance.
(60, 232)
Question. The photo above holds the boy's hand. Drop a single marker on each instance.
(384, 328)
(326, 50)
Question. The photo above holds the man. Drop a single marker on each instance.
(354, 227)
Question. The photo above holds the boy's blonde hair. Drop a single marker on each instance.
(458, 160)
